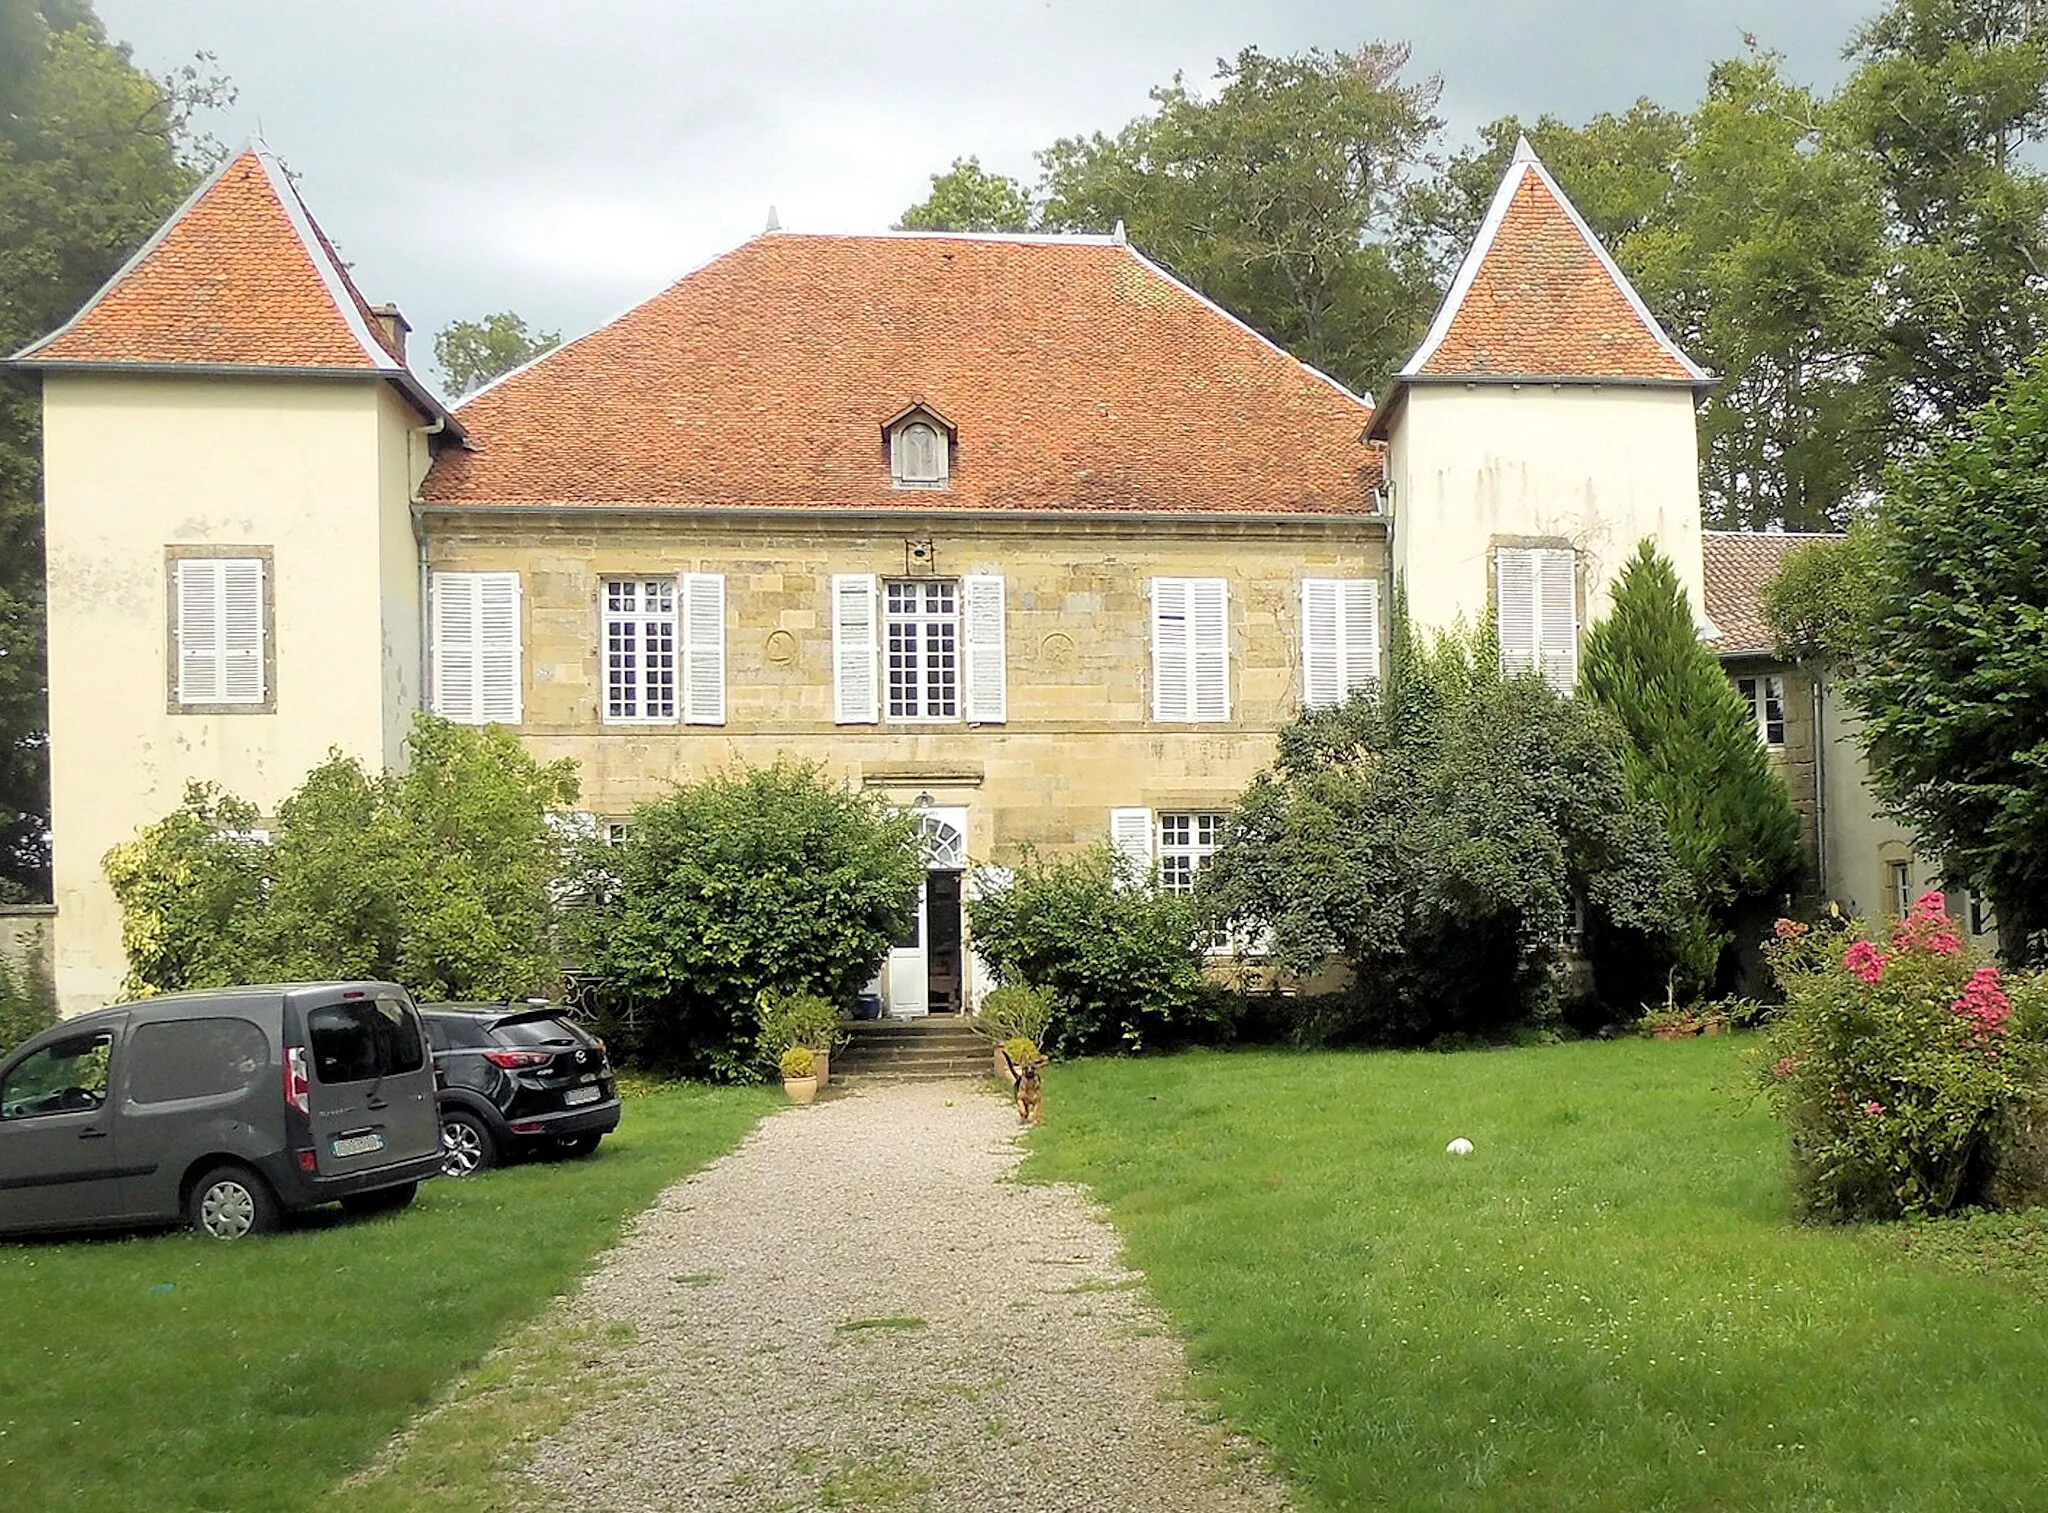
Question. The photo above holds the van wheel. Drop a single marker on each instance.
(230, 1202)
(466, 1145)
(383, 1200)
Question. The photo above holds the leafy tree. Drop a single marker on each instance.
(94, 153)
(1949, 107)
(966, 197)
(1274, 196)
(1692, 750)
(470, 353)
(1818, 605)
(1439, 834)
(443, 877)
(1952, 674)
(1118, 957)
(772, 879)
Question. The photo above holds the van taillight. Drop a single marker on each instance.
(298, 1092)
(515, 1060)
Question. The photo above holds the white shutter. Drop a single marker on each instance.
(855, 698)
(1170, 681)
(1515, 607)
(242, 631)
(498, 658)
(454, 616)
(1361, 604)
(1322, 643)
(704, 648)
(1340, 639)
(199, 631)
(982, 622)
(1209, 599)
(1558, 637)
(1130, 832)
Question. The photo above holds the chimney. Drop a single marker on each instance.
(394, 327)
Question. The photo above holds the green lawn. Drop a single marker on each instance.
(172, 1373)
(1606, 1307)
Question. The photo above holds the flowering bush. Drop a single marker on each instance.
(1899, 1066)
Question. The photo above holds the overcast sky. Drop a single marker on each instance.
(567, 158)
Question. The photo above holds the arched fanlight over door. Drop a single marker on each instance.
(942, 844)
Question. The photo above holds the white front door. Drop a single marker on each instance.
(907, 976)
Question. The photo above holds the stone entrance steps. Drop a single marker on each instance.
(938, 1048)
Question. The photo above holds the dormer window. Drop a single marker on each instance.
(920, 447)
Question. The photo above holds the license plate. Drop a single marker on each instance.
(358, 1145)
(581, 1095)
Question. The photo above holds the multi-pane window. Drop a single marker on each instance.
(1899, 885)
(1766, 697)
(1186, 842)
(640, 650)
(921, 639)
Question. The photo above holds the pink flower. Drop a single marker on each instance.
(1873, 1108)
(1930, 904)
(1943, 943)
(1865, 962)
(1984, 1003)
(1788, 929)
(1784, 1067)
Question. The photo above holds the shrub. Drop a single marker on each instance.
(441, 877)
(798, 1062)
(1117, 957)
(775, 880)
(1014, 1010)
(1438, 835)
(28, 1002)
(1899, 1066)
(788, 1019)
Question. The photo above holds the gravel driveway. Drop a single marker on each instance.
(861, 1308)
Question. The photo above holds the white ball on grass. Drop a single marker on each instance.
(1459, 1147)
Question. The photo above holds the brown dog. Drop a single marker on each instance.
(1030, 1089)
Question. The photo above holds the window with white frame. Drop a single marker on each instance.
(1186, 842)
(617, 832)
(921, 640)
(1536, 612)
(220, 627)
(639, 651)
(1898, 889)
(1340, 639)
(474, 620)
(1766, 697)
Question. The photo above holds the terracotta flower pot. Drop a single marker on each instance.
(800, 1089)
(1001, 1065)
(821, 1067)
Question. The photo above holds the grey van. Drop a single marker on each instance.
(225, 1109)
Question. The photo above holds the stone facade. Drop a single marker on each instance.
(1079, 738)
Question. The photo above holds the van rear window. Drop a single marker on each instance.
(195, 1058)
(361, 1039)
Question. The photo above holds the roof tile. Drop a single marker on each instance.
(1739, 566)
(230, 281)
(1077, 375)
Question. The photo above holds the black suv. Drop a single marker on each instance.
(516, 1079)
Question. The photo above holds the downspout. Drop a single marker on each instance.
(419, 541)
(1820, 785)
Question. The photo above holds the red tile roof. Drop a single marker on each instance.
(1739, 565)
(240, 276)
(1077, 375)
(1538, 297)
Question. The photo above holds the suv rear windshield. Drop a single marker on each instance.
(360, 1039)
(545, 1030)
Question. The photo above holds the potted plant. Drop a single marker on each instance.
(797, 1019)
(799, 1078)
(1012, 1012)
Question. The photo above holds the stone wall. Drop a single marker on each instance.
(1079, 739)
(28, 938)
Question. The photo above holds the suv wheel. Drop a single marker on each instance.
(231, 1202)
(466, 1145)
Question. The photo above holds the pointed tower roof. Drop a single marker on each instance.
(239, 279)
(1538, 298)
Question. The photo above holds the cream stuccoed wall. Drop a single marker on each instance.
(1598, 467)
(316, 470)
